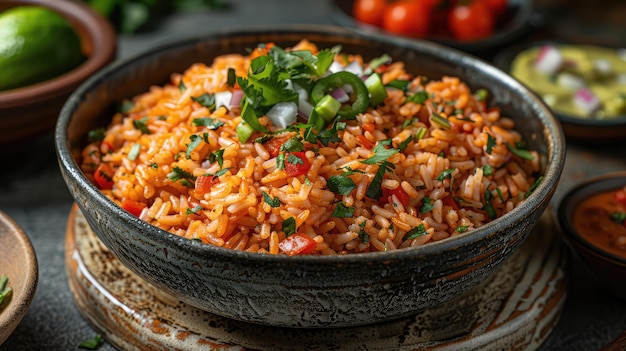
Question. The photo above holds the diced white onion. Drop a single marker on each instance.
(549, 60)
(335, 67)
(304, 109)
(283, 114)
(586, 100)
(340, 95)
(223, 98)
(236, 98)
(571, 81)
(354, 68)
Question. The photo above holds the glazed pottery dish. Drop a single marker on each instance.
(581, 81)
(239, 242)
(593, 218)
(18, 275)
(31, 110)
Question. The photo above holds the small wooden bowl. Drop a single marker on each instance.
(19, 263)
(32, 110)
(611, 268)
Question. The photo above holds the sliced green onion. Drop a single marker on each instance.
(134, 151)
(440, 121)
(521, 153)
(327, 108)
(376, 89)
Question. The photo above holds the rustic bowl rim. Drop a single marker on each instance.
(15, 310)
(554, 162)
(569, 202)
(100, 37)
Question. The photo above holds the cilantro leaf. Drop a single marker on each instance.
(211, 123)
(207, 100)
(491, 142)
(96, 135)
(217, 156)
(195, 141)
(293, 145)
(91, 344)
(194, 210)
(363, 235)
(519, 152)
(342, 211)
(427, 205)
(341, 185)
(415, 232)
(289, 226)
(380, 154)
(142, 125)
(419, 98)
(273, 202)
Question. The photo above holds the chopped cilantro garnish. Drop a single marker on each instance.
(194, 210)
(211, 123)
(341, 185)
(221, 172)
(180, 174)
(232, 77)
(519, 152)
(415, 232)
(380, 153)
(207, 100)
(618, 217)
(481, 94)
(263, 139)
(374, 190)
(91, 344)
(154, 165)
(427, 205)
(342, 211)
(280, 161)
(307, 181)
(418, 97)
(331, 135)
(293, 145)
(273, 202)
(96, 135)
(217, 156)
(500, 196)
(445, 174)
(491, 212)
(294, 160)
(195, 141)
(142, 125)
(289, 226)
(181, 86)
(462, 228)
(491, 142)
(403, 145)
(363, 235)
(379, 61)
(533, 187)
(487, 170)
(399, 84)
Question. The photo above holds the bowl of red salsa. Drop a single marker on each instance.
(593, 218)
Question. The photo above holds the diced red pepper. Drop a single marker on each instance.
(365, 142)
(133, 207)
(449, 201)
(106, 147)
(400, 194)
(297, 168)
(204, 183)
(298, 243)
(273, 146)
(620, 196)
(104, 177)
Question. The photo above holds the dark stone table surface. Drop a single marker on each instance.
(33, 193)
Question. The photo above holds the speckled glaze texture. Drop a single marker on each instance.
(305, 291)
(516, 308)
(19, 263)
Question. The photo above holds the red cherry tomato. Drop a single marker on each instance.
(204, 183)
(298, 243)
(369, 11)
(273, 145)
(400, 194)
(104, 177)
(134, 207)
(471, 22)
(497, 7)
(296, 164)
(620, 196)
(408, 18)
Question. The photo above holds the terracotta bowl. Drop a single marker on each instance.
(611, 268)
(19, 263)
(32, 110)
(304, 291)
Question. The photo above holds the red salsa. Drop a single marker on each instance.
(601, 220)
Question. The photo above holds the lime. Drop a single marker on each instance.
(36, 44)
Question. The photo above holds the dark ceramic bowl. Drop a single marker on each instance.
(304, 291)
(519, 19)
(611, 268)
(575, 128)
(32, 110)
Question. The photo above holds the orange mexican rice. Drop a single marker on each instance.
(283, 151)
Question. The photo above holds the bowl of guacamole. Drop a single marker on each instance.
(583, 83)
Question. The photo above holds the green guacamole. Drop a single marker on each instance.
(601, 70)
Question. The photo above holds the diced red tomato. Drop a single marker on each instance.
(365, 142)
(204, 183)
(400, 194)
(620, 196)
(297, 168)
(449, 201)
(273, 146)
(133, 207)
(106, 147)
(298, 243)
(369, 127)
(104, 177)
